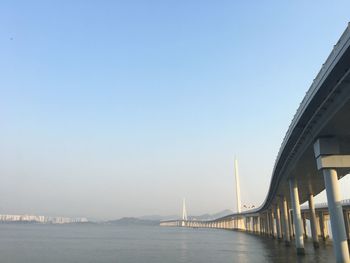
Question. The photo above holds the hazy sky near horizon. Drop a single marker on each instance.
(122, 108)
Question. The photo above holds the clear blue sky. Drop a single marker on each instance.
(121, 108)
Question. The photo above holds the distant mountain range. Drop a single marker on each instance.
(158, 217)
(200, 217)
(212, 216)
(155, 219)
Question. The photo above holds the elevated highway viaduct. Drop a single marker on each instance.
(313, 156)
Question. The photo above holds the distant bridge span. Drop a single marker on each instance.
(314, 154)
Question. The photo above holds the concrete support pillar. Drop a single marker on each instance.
(273, 225)
(267, 223)
(278, 222)
(286, 232)
(261, 225)
(294, 194)
(322, 226)
(347, 224)
(304, 225)
(290, 222)
(328, 158)
(336, 214)
(313, 221)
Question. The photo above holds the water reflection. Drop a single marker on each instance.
(265, 249)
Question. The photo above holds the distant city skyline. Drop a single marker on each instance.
(120, 109)
(41, 219)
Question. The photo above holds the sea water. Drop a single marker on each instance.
(84, 243)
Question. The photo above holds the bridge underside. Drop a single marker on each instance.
(304, 167)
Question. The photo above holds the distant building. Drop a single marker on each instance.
(41, 219)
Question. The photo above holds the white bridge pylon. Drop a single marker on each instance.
(238, 189)
(184, 212)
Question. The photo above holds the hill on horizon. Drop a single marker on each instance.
(194, 217)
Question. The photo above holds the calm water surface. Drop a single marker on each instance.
(146, 244)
